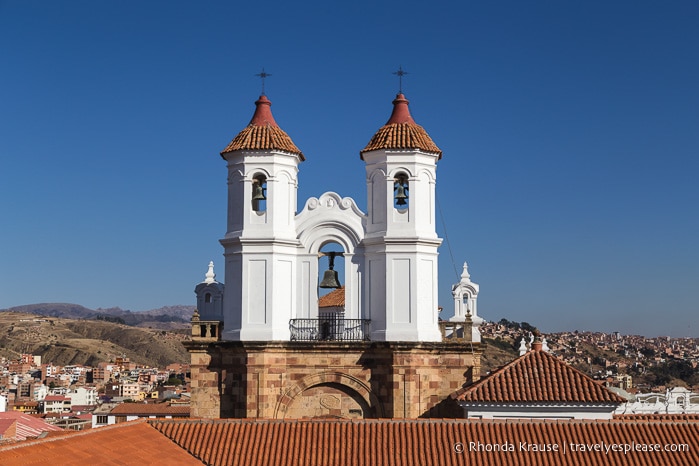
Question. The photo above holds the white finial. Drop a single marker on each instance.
(522, 347)
(544, 345)
(465, 273)
(210, 275)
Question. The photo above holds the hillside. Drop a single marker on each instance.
(69, 341)
(75, 334)
(497, 353)
(164, 318)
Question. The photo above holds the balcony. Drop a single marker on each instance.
(456, 332)
(205, 330)
(329, 329)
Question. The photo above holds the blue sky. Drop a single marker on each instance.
(570, 133)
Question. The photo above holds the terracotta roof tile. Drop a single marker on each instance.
(360, 443)
(126, 443)
(537, 376)
(28, 426)
(5, 424)
(657, 417)
(335, 298)
(401, 132)
(263, 133)
(424, 442)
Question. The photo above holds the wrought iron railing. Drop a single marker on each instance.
(329, 329)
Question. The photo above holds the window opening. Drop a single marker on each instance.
(259, 193)
(400, 191)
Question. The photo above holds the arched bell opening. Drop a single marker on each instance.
(259, 193)
(331, 263)
(330, 224)
(331, 292)
(401, 191)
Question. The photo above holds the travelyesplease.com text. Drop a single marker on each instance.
(572, 447)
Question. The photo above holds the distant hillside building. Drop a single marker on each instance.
(678, 400)
(264, 344)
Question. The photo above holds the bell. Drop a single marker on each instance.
(258, 193)
(401, 196)
(330, 279)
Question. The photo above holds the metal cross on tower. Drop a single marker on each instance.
(400, 73)
(262, 75)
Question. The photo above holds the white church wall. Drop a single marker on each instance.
(541, 411)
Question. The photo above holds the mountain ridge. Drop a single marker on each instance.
(164, 318)
(87, 342)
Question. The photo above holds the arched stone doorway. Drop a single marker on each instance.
(328, 395)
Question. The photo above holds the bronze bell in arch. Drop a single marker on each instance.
(401, 193)
(258, 192)
(330, 277)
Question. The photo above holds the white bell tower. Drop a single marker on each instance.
(210, 296)
(260, 244)
(466, 303)
(401, 240)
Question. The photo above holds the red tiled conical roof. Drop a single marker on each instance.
(537, 376)
(263, 133)
(401, 132)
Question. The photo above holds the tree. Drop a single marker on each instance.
(682, 370)
(527, 327)
(173, 380)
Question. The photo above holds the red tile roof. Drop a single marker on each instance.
(5, 425)
(423, 442)
(364, 442)
(263, 133)
(28, 426)
(335, 298)
(127, 443)
(537, 376)
(657, 417)
(401, 132)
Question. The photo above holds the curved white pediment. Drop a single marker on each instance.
(330, 218)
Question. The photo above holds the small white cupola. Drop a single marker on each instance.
(466, 302)
(210, 296)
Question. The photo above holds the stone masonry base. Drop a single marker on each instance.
(293, 380)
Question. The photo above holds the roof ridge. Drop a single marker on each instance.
(567, 384)
(71, 434)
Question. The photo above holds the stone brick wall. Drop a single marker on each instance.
(329, 379)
